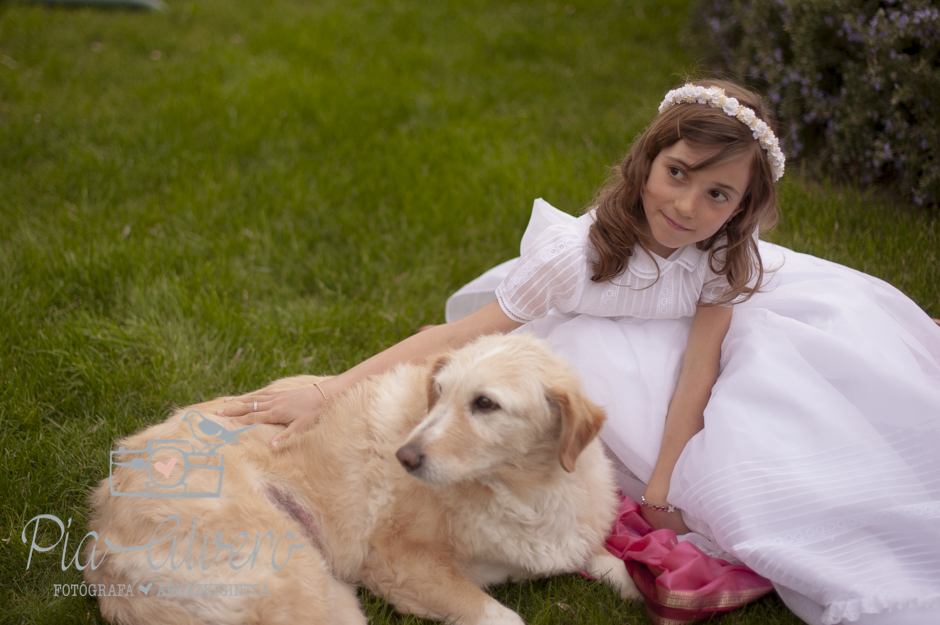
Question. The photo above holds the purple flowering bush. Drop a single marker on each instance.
(854, 83)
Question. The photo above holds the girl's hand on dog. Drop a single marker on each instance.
(297, 408)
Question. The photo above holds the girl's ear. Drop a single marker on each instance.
(740, 208)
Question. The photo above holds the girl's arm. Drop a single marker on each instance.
(686, 410)
(299, 408)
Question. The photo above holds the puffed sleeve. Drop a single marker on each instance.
(715, 285)
(550, 274)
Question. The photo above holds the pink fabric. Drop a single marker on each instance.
(680, 584)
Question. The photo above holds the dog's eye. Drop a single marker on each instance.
(484, 404)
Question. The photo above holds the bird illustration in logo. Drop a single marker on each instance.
(208, 427)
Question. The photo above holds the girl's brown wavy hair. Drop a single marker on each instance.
(732, 251)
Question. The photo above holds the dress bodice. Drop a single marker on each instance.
(554, 271)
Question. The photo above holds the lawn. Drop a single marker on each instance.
(196, 201)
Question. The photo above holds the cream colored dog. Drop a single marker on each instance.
(424, 485)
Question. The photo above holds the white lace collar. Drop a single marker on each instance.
(644, 264)
(648, 265)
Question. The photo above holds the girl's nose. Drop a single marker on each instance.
(685, 204)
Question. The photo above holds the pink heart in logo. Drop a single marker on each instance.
(165, 468)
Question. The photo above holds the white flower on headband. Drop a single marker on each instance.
(760, 129)
(715, 97)
(731, 106)
(747, 116)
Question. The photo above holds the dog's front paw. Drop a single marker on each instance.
(620, 581)
(629, 590)
(612, 571)
(495, 613)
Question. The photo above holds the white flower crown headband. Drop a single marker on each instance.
(715, 97)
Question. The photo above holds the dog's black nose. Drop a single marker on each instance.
(410, 457)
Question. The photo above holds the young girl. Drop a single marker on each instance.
(819, 385)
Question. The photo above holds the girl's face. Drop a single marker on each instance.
(684, 206)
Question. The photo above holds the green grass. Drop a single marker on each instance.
(198, 201)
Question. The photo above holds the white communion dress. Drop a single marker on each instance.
(819, 463)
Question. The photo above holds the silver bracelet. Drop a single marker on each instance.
(667, 508)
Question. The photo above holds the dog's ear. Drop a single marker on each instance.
(434, 392)
(581, 420)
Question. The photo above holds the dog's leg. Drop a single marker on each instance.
(346, 609)
(485, 611)
(611, 570)
(417, 582)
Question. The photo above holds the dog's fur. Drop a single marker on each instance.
(510, 486)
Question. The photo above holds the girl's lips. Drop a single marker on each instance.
(674, 225)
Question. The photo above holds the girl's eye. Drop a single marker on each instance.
(718, 195)
(677, 173)
(484, 404)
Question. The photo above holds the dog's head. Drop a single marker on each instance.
(500, 402)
